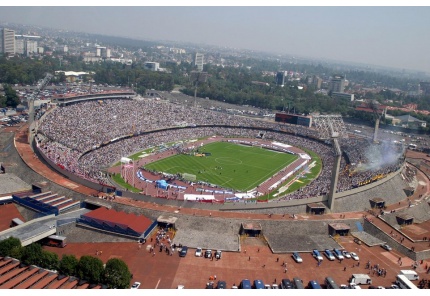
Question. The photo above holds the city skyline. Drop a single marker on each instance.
(382, 36)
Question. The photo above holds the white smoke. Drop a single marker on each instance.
(379, 156)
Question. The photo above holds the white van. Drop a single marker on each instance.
(360, 279)
(410, 274)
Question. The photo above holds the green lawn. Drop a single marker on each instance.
(231, 165)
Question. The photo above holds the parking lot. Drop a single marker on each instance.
(254, 261)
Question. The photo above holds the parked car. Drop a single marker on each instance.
(221, 285)
(393, 287)
(357, 241)
(346, 254)
(275, 286)
(258, 284)
(338, 254)
(344, 286)
(199, 252)
(210, 285)
(329, 255)
(245, 284)
(208, 253)
(354, 256)
(183, 252)
(218, 254)
(317, 255)
(286, 284)
(297, 257)
(386, 247)
(135, 285)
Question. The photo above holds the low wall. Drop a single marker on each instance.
(377, 232)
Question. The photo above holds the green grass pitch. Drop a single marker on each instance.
(231, 165)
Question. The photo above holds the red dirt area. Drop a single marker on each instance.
(8, 212)
(254, 261)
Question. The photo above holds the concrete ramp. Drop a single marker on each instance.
(367, 238)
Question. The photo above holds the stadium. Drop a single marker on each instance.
(99, 139)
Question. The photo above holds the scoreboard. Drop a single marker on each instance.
(294, 119)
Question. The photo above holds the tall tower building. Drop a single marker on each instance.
(280, 78)
(337, 84)
(31, 47)
(198, 61)
(7, 41)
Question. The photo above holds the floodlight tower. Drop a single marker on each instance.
(377, 110)
(39, 88)
(196, 77)
(375, 106)
(332, 127)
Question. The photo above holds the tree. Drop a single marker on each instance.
(68, 264)
(2, 101)
(49, 260)
(117, 274)
(90, 269)
(32, 255)
(9, 246)
(12, 99)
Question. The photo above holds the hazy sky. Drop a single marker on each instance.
(388, 36)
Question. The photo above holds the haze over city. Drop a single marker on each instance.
(382, 36)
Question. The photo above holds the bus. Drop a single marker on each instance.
(314, 285)
(404, 283)
(55, 241)
(331, 284)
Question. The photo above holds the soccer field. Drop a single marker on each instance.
(230, 165)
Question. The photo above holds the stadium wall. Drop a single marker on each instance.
(378, 233)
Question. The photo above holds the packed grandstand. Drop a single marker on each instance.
(87, 137)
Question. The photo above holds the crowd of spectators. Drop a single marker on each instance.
(85, 125)
(83, 138)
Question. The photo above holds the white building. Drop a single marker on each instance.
(19, 46)
(151, 66)
(199, 61)
(26, 44)
(31, 47)
(337, 84)
(177, 50)
(7, 40)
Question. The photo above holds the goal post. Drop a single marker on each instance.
(189, 177)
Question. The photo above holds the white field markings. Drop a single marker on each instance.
(271, 172)
(226, 182)
(214, 174)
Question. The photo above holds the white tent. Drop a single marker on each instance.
(125, 160)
